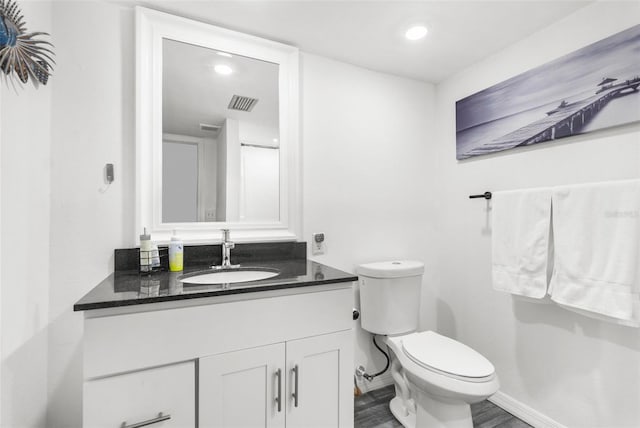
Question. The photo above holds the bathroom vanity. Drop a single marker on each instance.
(267, 353)
(270, 353)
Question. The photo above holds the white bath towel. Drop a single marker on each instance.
(597, 249)
(520, 241)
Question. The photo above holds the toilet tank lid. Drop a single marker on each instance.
(391, 269)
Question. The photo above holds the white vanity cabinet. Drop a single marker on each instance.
(214, 361)
(300, 383)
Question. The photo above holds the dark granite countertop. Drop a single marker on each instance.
(128, 287)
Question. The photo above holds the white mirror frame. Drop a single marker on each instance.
(151, 28)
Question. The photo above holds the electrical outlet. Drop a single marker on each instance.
(317, 244)
(210, 215)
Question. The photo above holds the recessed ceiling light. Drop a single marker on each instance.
(416, 32)
(223, 69)
(224, 54)
(275, 140)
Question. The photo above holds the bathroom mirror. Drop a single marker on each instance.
(220, 136)
(217, 132)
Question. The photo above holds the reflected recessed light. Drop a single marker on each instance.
(223, 69)
(416, 32)
(225, 54)
(275, 140)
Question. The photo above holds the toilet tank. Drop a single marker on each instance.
(390, 296)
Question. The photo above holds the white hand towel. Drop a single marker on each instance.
(520, 242)
(597, 249)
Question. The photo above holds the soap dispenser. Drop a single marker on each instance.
(176, 253)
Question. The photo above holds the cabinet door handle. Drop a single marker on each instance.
(296, 375)
(279, 397)
(160, 418)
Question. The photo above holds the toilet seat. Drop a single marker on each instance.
(447, 357)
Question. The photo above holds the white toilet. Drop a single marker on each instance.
(436, 378)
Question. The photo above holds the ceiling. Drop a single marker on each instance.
(370, 34)
(192, 93)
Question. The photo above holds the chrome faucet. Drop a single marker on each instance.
(227, 246)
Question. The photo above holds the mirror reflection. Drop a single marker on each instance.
(220, 145)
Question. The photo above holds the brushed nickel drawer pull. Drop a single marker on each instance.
(160, 418)
(296, 394)
(279, 397)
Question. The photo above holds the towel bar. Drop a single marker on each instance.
(485, 195)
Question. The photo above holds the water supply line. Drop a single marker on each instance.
(370, 377)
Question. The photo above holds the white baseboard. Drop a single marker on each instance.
(378, 382)
(524, 412)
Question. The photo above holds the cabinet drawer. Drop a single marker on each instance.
(141, 396)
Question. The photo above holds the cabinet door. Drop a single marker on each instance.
(319, 384)
(241, 388)
(163, 397)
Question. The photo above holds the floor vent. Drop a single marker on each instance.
(238, 102)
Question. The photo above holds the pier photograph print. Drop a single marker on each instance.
(593, 88)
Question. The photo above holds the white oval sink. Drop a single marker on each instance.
(229, 276)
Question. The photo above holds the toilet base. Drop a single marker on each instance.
(436, 413)
(432, 414)
(405, 417)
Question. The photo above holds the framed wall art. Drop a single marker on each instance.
(593, 88)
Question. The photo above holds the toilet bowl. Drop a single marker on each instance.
(436, 378)
(444, 377)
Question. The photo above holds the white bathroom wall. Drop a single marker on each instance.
(221, 171)
(92, 124)
(575, 370)
(259, 184)
(232, 169)
(25, 201)
(228, 172)
(209, 187)
(368, 168)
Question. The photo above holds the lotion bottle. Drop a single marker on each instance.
(176, 253)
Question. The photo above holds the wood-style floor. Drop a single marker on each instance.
(372, 411)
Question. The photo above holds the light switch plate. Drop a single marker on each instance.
(317, 244)
(108, 173)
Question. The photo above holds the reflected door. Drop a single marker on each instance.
(179, 182)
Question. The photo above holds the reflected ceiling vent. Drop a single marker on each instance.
(210, 128)
(238, 102)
